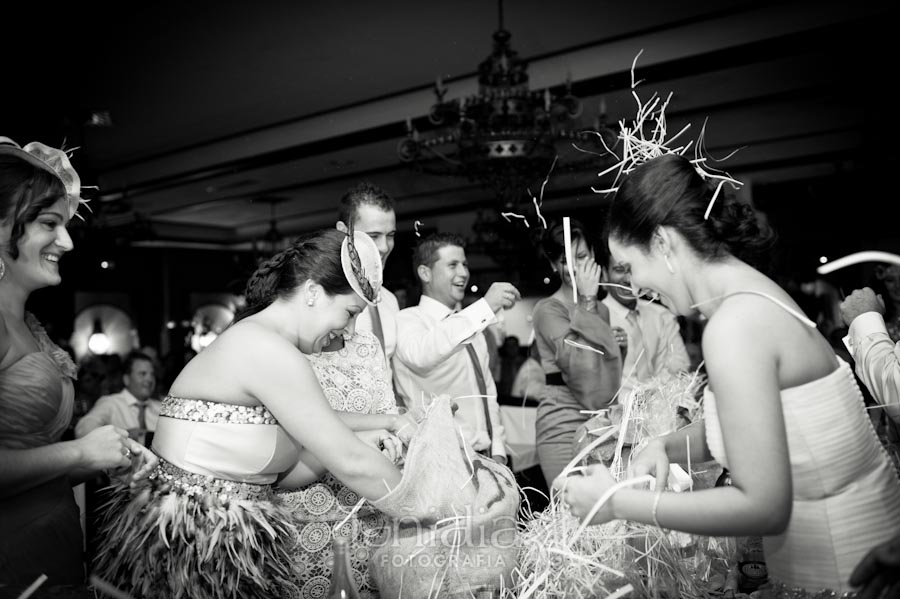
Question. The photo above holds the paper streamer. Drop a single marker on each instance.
(570, 259)
(858, 258)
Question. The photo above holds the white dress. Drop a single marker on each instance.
(846, 494)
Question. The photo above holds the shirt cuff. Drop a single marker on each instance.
(480, 314)
(864, 325)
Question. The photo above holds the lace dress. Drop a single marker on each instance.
(40, 528)
(205, 525)
(354, 379)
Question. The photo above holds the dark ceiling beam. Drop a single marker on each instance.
(751, 53)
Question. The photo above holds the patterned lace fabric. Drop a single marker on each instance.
(354, 379)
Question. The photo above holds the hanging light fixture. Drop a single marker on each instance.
(507, 137)
(98, 342)
(272, 241)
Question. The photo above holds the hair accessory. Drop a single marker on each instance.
(361, 263)
(52, 160)
(668, 264)
(638, 148)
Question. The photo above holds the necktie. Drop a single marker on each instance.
(636, 349)
(377, 328)
(142, 415)
(482, 390)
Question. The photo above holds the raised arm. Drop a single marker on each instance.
(585, 349)
(421, 346)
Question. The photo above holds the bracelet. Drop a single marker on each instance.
(655, 508)
(588, 302)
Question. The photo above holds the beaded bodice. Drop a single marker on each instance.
(226, 441)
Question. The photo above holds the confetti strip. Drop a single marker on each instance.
(418, 224)
(108, 589)
(638, 147)
(570, 259)
(537, 210)
(507, 215)
(33, 587)
(582, 346)
(858, 258)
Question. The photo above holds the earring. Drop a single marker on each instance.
(2, 268)
(311, 301)
(668, 264)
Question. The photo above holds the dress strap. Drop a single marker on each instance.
(799, 315)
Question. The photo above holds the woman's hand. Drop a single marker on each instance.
(587, 276)
(581, 493)
(388, 444)
(143, 462)
(404, 427)
(105, 448)
(651, 460)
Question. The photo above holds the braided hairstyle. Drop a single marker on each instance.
(311, 257)
(668, 191)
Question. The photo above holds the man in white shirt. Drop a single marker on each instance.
(877, 357)
(131, 408)
(441, 349)
(370, 210)
(648, 333)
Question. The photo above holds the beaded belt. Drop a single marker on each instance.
(192, 484)
(779, 590)
(200, 410)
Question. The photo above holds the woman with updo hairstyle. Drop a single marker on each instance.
(578, 352)
(782, 412)
(243, 415)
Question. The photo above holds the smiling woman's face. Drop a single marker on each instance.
(41, 246)
(649, 275)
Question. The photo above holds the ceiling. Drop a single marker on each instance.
(215, 106)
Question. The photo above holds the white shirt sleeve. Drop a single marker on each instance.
(877, 360)
(422, 346)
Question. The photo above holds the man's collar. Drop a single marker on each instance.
(434, 308)
(615, 306)
(129, 397)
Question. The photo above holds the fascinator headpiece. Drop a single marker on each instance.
(361, 263)
(52, 160)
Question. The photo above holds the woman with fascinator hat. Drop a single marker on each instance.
(245, 414)
(40, 530)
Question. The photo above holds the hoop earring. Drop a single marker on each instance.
(2, 269)
(668, 264)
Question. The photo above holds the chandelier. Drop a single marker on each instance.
(507, 138)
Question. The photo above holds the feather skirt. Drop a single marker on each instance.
(183, 535)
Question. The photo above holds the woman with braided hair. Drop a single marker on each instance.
(245, 413)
